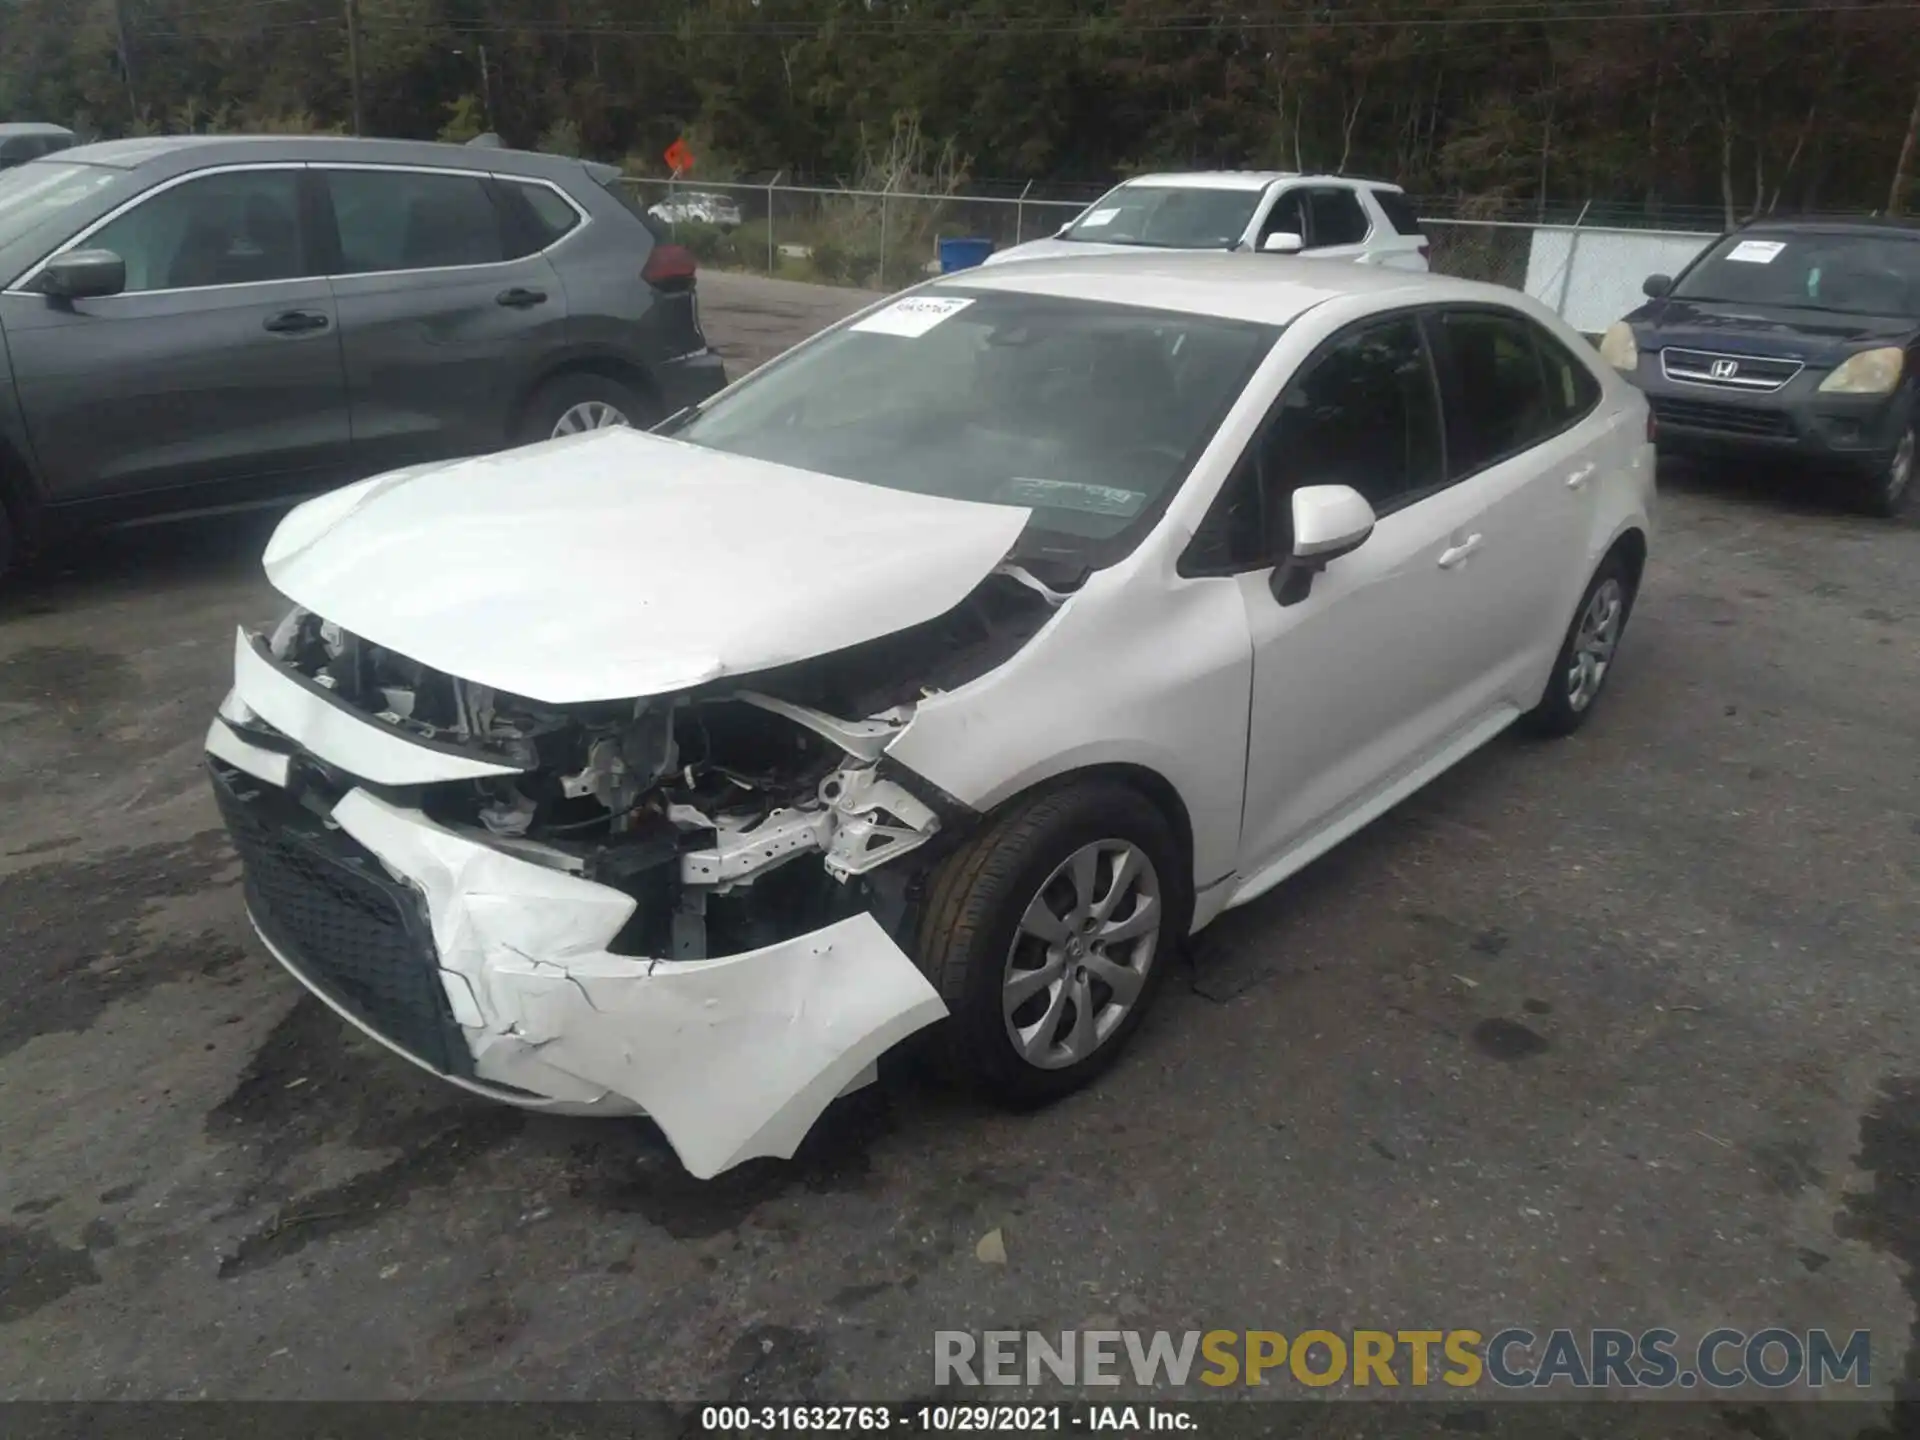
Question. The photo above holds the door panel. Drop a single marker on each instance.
(1515, 414)
(1371, 673)
(219, 366)
(1361, 681)
(443, 333)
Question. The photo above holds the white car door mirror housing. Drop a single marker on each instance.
(1283, 242)
(1328, 521)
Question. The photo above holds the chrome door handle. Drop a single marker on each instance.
(1454, 554)
(1581, 476)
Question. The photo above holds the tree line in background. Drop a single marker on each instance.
(1656, 107)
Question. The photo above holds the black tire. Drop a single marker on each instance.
(1562, 708)
(1889, 486)
(973, 915)
(566, 392)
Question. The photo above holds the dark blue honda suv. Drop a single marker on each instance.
(1789, 338)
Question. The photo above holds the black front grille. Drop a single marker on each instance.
(1727, 419)
(336, 917)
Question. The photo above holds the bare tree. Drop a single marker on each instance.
(1902, 168)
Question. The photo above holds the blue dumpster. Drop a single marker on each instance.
(963, 254)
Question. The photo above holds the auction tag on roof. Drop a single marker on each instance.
(914, 316)
(1093, 219)
(1756, 252)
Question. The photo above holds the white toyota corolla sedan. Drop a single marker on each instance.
(947, 672)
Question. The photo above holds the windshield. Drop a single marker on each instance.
(1852, 274)
(1089, 414)
(36, 192)
(1172, 216)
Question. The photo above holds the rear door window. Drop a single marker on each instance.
(1572, 392)
(538, 216)
(1399, 211)
(1337, 218)
(413, 220)
(1498, 402)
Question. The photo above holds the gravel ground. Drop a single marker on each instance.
(1617, 1031)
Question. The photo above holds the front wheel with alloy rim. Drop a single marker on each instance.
(1587, 654)
(1891, 486)
(575, 404)
(1048, 935)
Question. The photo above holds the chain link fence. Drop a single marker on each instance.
(888, 240)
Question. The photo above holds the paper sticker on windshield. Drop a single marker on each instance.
(1070, 495)
(1096, 218)
(913, 316)
(1756, 252)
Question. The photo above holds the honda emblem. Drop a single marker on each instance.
(1724, 369)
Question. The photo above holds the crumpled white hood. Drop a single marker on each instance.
(617, 564)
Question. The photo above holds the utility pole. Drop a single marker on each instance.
(126, 57)
(1903, 168)
(353, 57)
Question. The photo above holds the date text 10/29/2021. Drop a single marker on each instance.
(919, 1419)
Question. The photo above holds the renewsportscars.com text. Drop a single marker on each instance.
(1598, 1359)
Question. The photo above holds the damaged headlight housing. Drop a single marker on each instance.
(1871, 372)
(286, 636)
(286, 633)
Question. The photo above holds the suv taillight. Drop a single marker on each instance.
(670, 267)
(1653, 426)
(1426, 251)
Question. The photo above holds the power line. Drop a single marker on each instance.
(1513, 13)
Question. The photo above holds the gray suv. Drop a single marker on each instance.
(198, 322)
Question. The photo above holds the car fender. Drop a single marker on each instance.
(1134, 670)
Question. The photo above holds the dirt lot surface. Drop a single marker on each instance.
(1618, 1031)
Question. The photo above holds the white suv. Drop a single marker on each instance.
(1326, 216)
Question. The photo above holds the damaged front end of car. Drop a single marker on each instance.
(695, 905)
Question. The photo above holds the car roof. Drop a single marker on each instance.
(1247, 179)
(177, 153)
(1267, 289)
(1836, 225)
(11, 128)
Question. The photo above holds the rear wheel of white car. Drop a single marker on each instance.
(574, 404)
(1048, 936)
(1586, 656)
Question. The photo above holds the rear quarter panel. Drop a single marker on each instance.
(611, 311)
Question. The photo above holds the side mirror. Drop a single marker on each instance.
(1655, 286)
(1328, 521)
(1282, 242)
(83, 275)
(1061, 233)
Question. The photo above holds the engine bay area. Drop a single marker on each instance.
(697, 804)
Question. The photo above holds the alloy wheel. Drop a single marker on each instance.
(588, 415)
(1594, 642)
(1080, 957)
